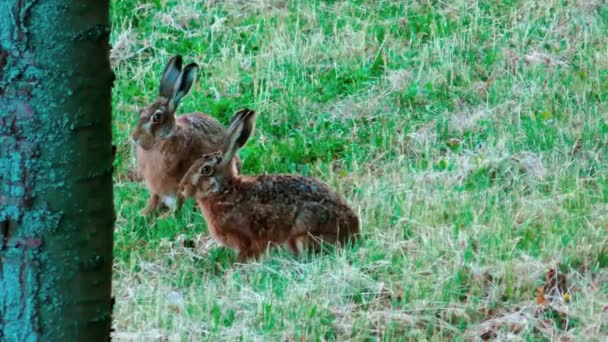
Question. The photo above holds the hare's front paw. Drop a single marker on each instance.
(173, 210)
(166, 215)
(151, 206)
(145, 212)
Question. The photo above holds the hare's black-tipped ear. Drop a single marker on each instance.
(239, 130)
(248, 123)
(171, 75)
(186, 81)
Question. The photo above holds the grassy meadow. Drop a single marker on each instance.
(470, 136)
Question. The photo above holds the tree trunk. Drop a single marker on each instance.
(56, 207)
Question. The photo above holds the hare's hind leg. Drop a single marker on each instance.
(248, 253)
(314, 225)
(299, 243)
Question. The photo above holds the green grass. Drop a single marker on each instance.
(470, 136)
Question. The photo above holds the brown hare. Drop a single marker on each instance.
(246, 213)
(166, 145)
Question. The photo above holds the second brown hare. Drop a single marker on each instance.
(247, 213)
(167, 145)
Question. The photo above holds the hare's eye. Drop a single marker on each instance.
(157, 117)
(206, 170)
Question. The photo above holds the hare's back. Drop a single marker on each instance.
(293, 189)
(288, 194)
(202, 124)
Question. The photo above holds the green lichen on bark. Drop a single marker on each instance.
(56, 210)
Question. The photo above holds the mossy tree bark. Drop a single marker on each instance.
(56, 207)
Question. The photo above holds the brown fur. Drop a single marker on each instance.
(248, 213)
(168, 145)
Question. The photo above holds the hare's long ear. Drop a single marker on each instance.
(182, 85)
(171, 75)
(186, 81)
(238, 132)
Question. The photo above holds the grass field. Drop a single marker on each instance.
(470, 136)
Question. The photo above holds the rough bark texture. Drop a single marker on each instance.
(56, 209)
